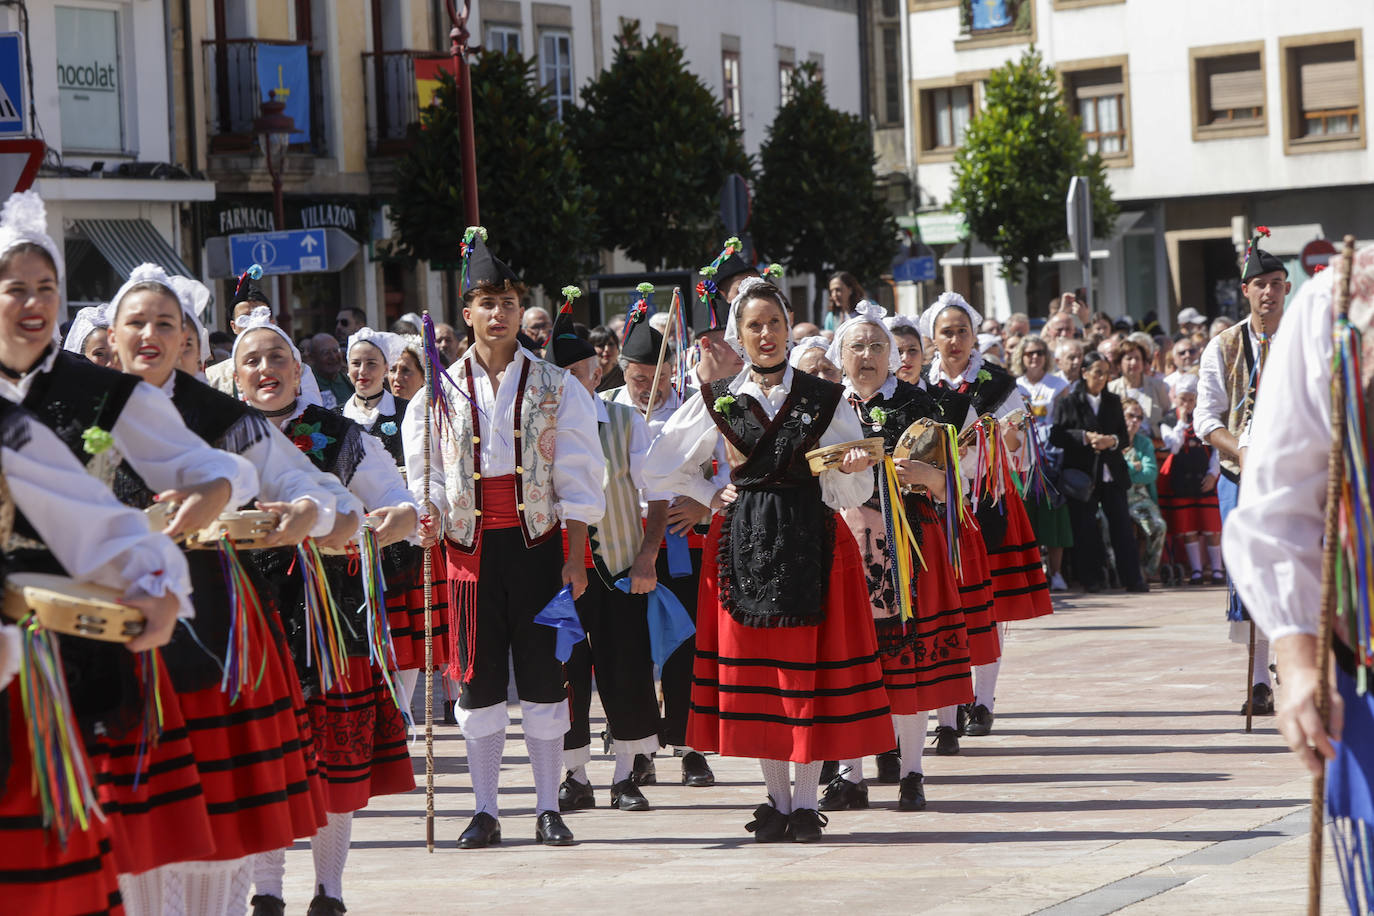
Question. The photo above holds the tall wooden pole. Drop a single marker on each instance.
(429, 623)
(663, 348)
(1335, 473)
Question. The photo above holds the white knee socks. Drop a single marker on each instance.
(484, 768)
(947, 716)
(624, 765)
(269, 869)
(805, 787)
(203, 888)
(985, 683)
(329, 847)
(911, 739)
(776, 780)
(1214, 558)
(1262, 659)
(546, 760)
(1194, 551)
(855, 768)
(142, 893)
(240, 887)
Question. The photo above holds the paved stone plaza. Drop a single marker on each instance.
(1118, 778)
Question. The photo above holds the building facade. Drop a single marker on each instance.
(1211, 121)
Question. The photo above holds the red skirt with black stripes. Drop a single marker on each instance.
(38, 873)
(790, 693)
(975, 595)
(1020, 590)
(405, 611)
(260, 791)
(925, 660)
(1188, 514)
(360, 740)
(153, 794)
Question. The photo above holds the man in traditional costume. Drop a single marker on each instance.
(1227, 379)
(513, 450)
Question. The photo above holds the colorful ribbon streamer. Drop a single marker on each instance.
(899, 538)
(380, 649)
(324, 628)
(245, 618)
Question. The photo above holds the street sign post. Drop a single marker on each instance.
(1079, 210)
(298, 251)
(915, 270)
(1317, 252)
(734, 204)
(13, 100)
(19, 162)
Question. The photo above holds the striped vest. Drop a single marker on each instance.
(1236, 364)
(616, 538)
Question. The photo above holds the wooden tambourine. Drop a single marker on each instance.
(1016, 418)
(64, 605)
(247, 529)
(831, 456)
(923, 440)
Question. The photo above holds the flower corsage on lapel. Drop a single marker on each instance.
(308, 438)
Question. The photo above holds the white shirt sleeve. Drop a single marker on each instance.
(838, 489)
(1212, 402)
(639, 451)
(413, 440)
(579, 467)
(287, 475)
(1173, 437)
(151, 436)
(9, 653)
(1273, 539)
(94, 536)
(377, 481)
(688, 439)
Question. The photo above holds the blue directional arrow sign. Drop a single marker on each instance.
(299, 251)
(13, 103)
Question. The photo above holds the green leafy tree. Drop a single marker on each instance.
(816, 202)
(1012, 173)
(658, 147)
(533, 199)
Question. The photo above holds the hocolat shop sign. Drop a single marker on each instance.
(88, 80)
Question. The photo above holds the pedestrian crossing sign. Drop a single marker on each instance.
(13, 122)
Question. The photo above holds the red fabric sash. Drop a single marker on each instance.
(498, 511)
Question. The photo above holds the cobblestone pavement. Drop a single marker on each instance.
(1118, 777)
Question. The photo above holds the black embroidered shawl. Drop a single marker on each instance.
(778, 537)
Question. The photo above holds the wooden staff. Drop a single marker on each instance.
(663, 351)
(1250, 684)
(1335, 472)
(429, 620)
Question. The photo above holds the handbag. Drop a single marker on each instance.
(1077, 485)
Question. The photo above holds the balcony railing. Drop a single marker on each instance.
(234, 96)
(392, 98)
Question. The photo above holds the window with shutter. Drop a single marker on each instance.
(1099, 100)
(1234, 87)
(1328, 90)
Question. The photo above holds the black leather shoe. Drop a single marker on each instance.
(829, 770)
(267, 905)
(449, 717)
(696, 772)
(890, 768)
(961, 717)
(551, 831)
(979, 722)
(805, 825)
(946, 741)
(626, 796)
(645, 773)
(1263, 699)
(323, 905)
(574, 795)
(1139, 587)
(843, 795)
(768, 826)
(912, 794)
(483, 831)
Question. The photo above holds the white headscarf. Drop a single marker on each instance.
(1185, 383)
(865, 312)
(24, 220)
(151, 273)
(948, 300)
(260, 317)
(91, 318)
(987, 341)
(806, 343)
(894, 322)
(732, 322)
(197, 296)
(391, 345)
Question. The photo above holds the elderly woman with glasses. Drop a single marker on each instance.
(1033, 366)
(1136, 382)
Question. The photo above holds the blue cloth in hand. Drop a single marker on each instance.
(669, 623)
(561, 614)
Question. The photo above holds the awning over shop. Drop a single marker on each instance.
(127, 243)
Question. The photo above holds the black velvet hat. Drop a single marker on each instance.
(250, 292)
(480, 266)
(565, 347)
(1257, 260)
(643, 346)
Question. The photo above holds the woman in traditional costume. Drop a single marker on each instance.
(89, 335)
(961, 380)
(379, 412)
(247, 725)
(787, 666)
(922, 640)
(360, 734)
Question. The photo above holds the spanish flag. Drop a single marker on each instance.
(427, 77)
